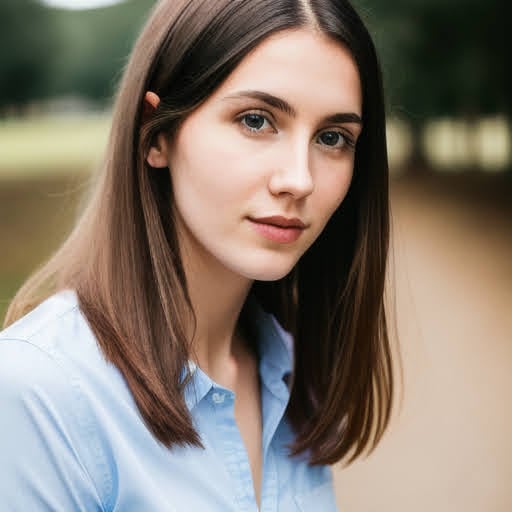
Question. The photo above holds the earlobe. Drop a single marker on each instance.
(157, 155)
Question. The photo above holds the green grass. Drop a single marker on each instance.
(32, 147)
(45, 165)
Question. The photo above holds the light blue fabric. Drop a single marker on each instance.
(71, 438)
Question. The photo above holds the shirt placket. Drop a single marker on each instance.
(273, 407)
(235, 454)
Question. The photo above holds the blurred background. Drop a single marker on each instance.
(448, 87)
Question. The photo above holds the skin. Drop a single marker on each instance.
(237, 158)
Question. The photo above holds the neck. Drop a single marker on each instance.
(217, 295)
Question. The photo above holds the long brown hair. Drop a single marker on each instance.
(123, 260)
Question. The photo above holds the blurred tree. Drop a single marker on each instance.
(57, 52)
(29, 43)
(98, 43)
(442, 58)
(454, 53)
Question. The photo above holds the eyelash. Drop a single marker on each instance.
(349, 142)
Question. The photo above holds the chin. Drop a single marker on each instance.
(267, 271)
(269, 276)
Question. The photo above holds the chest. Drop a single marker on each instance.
(218, 477)
(140, 474)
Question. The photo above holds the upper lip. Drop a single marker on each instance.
(282, 222)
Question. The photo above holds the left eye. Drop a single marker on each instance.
(254, 122)
(334, 139)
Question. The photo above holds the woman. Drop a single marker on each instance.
(214, 335)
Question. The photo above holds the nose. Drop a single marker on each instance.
(293, 174)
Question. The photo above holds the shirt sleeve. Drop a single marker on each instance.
(40, 435)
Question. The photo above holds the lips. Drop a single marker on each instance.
(279, 229)
(281, 222)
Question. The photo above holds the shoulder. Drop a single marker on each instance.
(49, 423)
(52, 345)
(46, 326)
(52, 350)
(57, 335)
(31, 349)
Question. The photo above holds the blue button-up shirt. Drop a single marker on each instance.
(72, 439)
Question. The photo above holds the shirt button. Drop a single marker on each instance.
(218, 398)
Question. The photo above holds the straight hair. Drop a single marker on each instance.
(123, 259)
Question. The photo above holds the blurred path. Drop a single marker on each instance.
(450, 448)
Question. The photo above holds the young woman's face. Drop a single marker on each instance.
(259, 168)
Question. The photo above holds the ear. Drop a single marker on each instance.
(157, 155)
(159, 152)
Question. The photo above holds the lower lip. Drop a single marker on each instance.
(276, 233)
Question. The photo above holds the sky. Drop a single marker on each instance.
(79, 4)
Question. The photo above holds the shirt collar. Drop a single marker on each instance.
(275, 347)
(197, 387)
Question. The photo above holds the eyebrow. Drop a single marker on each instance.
(284, 106)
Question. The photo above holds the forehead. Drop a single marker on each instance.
(302, 66)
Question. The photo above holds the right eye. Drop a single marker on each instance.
(254, 122)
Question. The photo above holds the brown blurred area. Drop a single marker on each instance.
(448, 447)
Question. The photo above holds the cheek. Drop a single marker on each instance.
(213, 163)
(212, 167)
(331, 190)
